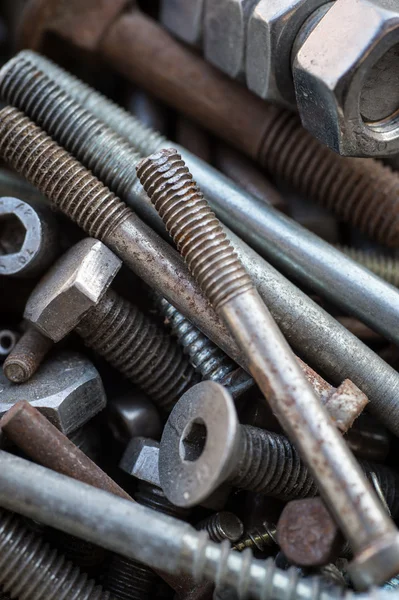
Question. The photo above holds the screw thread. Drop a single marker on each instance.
(99, 148)
(71, 188)
(31, 570)
(269, 463)
(127, 579)
(384, 266)
(362, 192)
(207, 358)
(153, 497)
(26, 356)
(143, 138)
(138, 348)
(193, 226)
(259, 538)
(86, 556)
(222, 526)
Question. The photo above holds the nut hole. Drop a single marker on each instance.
(12, 234)
(193, 440)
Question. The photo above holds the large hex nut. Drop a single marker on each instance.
(75, 283)
(272, 29)
(225, 28)
(347, 78)
(67, 389)
(183, 18)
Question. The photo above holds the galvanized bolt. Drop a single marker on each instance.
(26, 356)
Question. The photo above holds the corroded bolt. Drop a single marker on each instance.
(26, 356)
(212, 261)
(29, 568)
(75, 295)
(258, 538)
(222, 526)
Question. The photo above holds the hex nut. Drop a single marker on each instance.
(272, 29)
(140, 460)
(225, 29)
(183, 18)
(75, 283)
(67, 389)
(347, 77)
(28, 238)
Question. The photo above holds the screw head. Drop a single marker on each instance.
(198, 444)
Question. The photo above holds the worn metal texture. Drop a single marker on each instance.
(184, 18)
(307, 534)
(222, 526)
(28, 238)
(347, 95)
(26, 356)
(67, 389)
(45, 444)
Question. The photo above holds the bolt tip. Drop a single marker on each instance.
(16, 372)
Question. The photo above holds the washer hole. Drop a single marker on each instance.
(193, 440)
(12, 234)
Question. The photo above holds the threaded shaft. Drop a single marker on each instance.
(26, 356)
(193, 226)
(31, 570)
(258, 538)
(222, 526)
(127, 579)
(109, 156)
(207, 358)
(86, 556)
(141, 137)
(269, 463)
(138, 348)
(71, 188)
(362, 192)
(384, 266)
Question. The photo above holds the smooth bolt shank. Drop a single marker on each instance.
(303, 322)
(214, 264)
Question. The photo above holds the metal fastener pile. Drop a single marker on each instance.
(199, 224)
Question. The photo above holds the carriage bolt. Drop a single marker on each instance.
(30, 569)
(285, 242)
(154, 538)
(214, 264)
(28, 238)
(222, 526)
(26, 356)
(74, 295)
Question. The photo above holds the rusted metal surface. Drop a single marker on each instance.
(27, 356)
(43, 442)
(307, 534)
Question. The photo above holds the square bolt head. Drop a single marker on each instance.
(347, 78)
(67, 389)
(75, 283)
(272, 29)
(183, 18)
(225, 29)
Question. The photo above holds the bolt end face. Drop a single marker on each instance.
(198, 444)
(376, 564)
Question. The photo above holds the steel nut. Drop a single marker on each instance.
(75, 283)
(225, 26)
(347, 78)
(140, 460)
(67, 389)
(183, 18)
(272, 29)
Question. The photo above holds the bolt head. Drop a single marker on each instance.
(75, 283)
(199, 444)
(346, 78)
(140, 460)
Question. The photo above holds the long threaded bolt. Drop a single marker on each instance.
(222, 526)
(26, 356)
(212, 261)
(258, 538)
(385, 267)
(31, 570)
(138, 348)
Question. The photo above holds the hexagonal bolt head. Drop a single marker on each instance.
(347, 78)
(28, 238)
(75, 283)
(140, 460)
(272, 30)
(67, 389)
(307, 534)
(183, 18)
